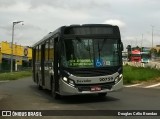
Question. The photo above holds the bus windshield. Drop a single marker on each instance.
(89, 53)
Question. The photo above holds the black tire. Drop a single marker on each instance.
(39, 86)
(102, 94)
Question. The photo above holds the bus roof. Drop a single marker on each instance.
(70, 26)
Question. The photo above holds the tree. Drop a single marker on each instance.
(153, 52)
(158, 53)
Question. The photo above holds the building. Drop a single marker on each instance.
(157, 48)
(22, 56)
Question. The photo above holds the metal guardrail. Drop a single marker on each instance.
(154, 65)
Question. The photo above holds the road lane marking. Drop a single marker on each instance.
(155, 85)
(132, 85)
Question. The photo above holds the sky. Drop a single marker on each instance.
(137, 19)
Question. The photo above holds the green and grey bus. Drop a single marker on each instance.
(79, 59)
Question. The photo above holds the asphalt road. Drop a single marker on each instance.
(23, 94)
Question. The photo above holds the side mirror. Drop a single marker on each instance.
(121, 46)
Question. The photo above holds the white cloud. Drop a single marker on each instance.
(134, 17)
(115, 22)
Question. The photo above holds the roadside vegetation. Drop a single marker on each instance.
(14, 75)
(138, 74)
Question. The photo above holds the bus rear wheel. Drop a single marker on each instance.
(38, 83)
(40, 87)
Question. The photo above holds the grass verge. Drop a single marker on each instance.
(15, 75)
(139, 74)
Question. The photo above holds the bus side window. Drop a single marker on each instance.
(46, 50)
(37, 53)
(51, 50)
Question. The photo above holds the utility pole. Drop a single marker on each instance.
(136, 42)
(14, 23)
(142, 41)
(152, 35)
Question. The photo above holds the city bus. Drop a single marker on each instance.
(79, 60)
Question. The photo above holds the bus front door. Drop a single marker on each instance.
(42, 64)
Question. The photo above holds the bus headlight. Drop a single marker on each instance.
(65, 79)
(118, 78)
(69, 81)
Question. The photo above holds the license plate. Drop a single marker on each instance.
(95, 88)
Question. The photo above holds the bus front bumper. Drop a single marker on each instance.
(66, 89)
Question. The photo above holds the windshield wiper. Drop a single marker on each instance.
(89, 49)
(100, 49)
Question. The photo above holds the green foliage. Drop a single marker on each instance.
(15, 75)
(136, 74)
(153, 50)
(158, 53)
